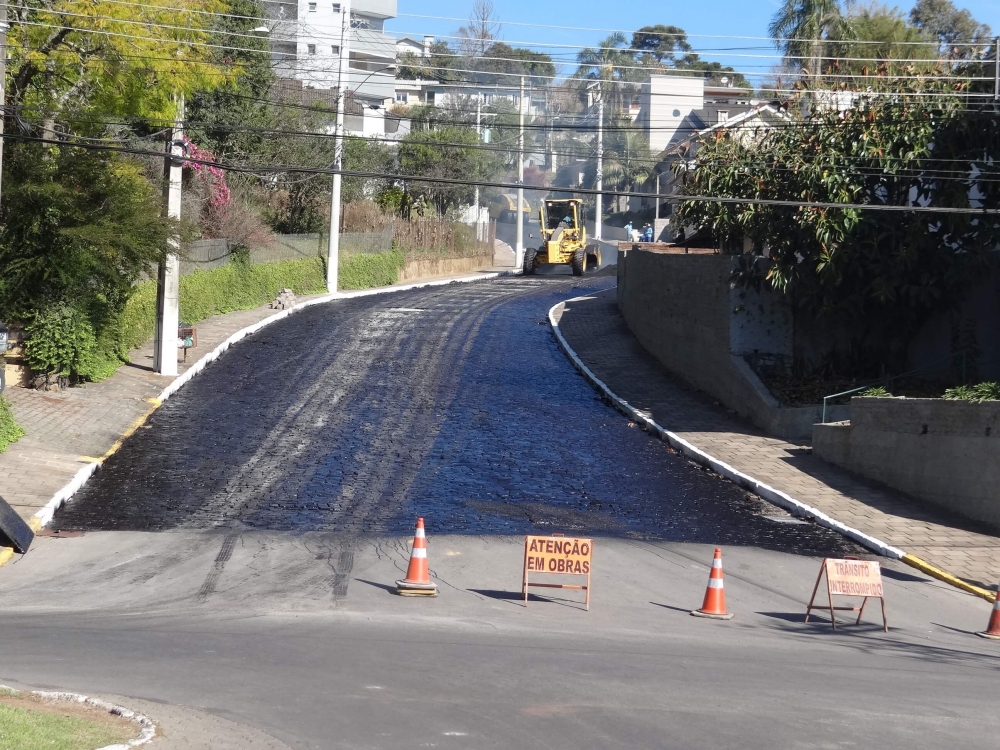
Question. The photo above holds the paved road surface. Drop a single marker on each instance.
(239, 555)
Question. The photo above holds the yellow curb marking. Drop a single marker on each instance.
(942, 575)
(6, 553)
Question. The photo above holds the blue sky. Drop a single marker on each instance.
(718, 17)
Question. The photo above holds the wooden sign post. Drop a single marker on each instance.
(557, 555)
(849, 577)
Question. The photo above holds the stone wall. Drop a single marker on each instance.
(946, 453)
(682, 310)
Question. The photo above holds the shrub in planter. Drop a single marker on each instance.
(60, 342)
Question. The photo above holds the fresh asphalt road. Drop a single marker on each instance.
(238, 556)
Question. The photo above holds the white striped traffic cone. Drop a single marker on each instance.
(418, 577)
(714, 605)
(993, 629)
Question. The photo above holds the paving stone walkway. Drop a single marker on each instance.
(596, 330)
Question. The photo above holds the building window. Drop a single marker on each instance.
(312, 7)
(311, 48)
(401, 96)
(334, 49)
(336, 7)
(429, 97)
(723, 115)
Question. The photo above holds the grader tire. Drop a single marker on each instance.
(594, 257)
(530, 261)
(579, 262)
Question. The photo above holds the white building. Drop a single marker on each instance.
(418, 48)
(306, 37)
(671, 108)
(441, 94)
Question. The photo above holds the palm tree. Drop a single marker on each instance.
(628, 162)
(610, 63)
(800, 27)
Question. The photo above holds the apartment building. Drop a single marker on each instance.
(306, 37)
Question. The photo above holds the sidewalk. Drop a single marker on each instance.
(68, 429)
(597, 332)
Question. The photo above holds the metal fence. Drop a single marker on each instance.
(415, 239)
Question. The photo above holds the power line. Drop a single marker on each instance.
(673, 198)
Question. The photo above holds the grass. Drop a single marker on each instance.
(26, 729)
(10, 430)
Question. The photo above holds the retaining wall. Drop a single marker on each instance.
(946, 453)
(430, 268)
(680, 307)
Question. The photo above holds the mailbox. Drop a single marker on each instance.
(187, 337)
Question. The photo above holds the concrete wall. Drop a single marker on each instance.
(944, 452)
(435, 267)
(681, 309)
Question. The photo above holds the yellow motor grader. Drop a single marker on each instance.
(564, 239)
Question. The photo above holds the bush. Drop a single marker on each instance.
(63, 339)
(875, 392)
(976, 393)
(365, 271)
(10, 431)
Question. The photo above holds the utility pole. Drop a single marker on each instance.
(333, 249)
(3, 78)
(519, 249)
(168, 279)
(479, 136)
(600, 167)
(996, 69)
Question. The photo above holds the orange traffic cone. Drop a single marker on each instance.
(418, 578)
(714, 605)
(993, 629)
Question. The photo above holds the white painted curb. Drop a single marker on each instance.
(44, 514)
(146, 733)
(777, 497)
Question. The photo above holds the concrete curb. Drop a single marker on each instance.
(146, 734)
(772, 495)
(43, 516)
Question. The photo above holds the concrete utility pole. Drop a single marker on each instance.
(519, 249)
(3, 78)
(600, 167)
(996, 69)
(333, 249)
(169, 275)
(479, 134)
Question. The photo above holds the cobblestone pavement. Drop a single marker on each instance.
(454, 403)
(67, 428)
(599, 335)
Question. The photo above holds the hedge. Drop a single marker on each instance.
(235, 286)
(365, 271)
(10, 430)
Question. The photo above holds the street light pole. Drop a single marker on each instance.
(479, 135)
(169, 273)
(333, 248)
(600, 167)
(519, 249)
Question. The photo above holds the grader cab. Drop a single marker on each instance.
(564, 239)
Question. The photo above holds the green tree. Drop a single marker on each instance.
(120, 59)
(661, 43)
(449, 152)
(872, 39)
(223, 118)
(952, 28)
(627, 159)
(801, 27)
(367, 155)
(612, 64)
(877, 275)
(503, 65)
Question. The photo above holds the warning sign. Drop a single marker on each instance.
(854, 577)
(557, 555)
(849, 577)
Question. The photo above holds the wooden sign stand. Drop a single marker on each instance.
(849, 577)
(557, 555)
